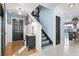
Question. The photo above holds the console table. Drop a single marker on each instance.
(30, 42)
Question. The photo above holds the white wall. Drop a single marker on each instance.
(63, 20)
(59, 12)
(46, 19)
(38, 38)
(27, 30)
(37, 32)
(8, 30)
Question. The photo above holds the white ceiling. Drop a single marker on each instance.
(70, 11)
(27, 7)
(50, 5)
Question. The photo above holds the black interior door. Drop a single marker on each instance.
(17, 29)
(2, 25)
(57, 30)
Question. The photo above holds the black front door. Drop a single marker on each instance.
(17, 29)
(57, 30)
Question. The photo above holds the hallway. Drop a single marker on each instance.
(17, 48)
(12, 47)
(43, 27)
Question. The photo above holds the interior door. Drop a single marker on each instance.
(17, 30)
(0, 37)
(2, 30)
(57, 30)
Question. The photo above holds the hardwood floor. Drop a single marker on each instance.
(26, 52)
(15, 46)
(12, 47)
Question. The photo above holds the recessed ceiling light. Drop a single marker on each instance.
(20, 10)
(71, 5)
(19, 13)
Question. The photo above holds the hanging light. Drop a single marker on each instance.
(20, 13)
(75, 21)
(71, 5)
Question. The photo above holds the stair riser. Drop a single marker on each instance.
(43, 38)
(45, 42)
(43, 45)
(43, 34)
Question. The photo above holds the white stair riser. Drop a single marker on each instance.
(43, 34)
(44, 38)
(45, 42)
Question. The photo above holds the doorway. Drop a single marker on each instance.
(17, 29)
(57, 30)
(17, 37)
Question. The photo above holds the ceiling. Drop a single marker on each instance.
(27, 7)
(70, 11)
(50, 5)
(14, 7)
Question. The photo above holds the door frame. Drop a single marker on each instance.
(12, 24)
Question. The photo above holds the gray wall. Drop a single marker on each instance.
(8, 37)
(46, 19)
(9, 16)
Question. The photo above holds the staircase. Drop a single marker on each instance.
(45, 39)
